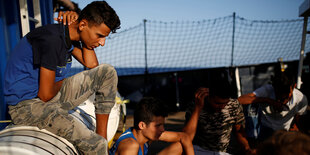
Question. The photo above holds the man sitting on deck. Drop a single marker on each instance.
(149, 118)
(281, 104)
(40, 93)
(221, 116)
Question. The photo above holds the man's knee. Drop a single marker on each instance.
(108, 70)
(106, 75)
(185, 139)
(95, 145)
(174, 148)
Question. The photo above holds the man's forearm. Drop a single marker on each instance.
(191, 125)
(86, 57)
(48, 88)
(240, 134)
(243, 141)
(253, 99)
(58, 86)
(102, 124)
(90, 58)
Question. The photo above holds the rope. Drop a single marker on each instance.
(5, 121)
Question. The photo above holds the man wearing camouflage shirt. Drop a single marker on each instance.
(220, 116)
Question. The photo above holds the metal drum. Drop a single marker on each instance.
(28, 140)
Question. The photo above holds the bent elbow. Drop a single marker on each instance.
(92, 65)
(45, 97)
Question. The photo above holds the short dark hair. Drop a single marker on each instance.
(220, 84)
(147, 109)
(99, 12)
(282, 82)
(221, 88)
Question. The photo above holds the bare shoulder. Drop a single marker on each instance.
(129, 141)
(128, 146)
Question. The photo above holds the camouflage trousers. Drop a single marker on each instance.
(53, 115)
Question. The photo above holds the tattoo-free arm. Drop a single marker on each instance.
(252, 98)
(186, 137)
(181, 137)
(128, 146)
(86, 57)
(240, 134)
(48, 88)
(102, 124)
(191, 125)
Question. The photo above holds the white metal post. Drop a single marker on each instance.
(302, 51)
(24, 17)
(238, 81)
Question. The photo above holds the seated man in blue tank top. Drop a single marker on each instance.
(149, 118)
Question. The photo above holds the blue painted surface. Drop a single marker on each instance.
(46, 12)
(10, 34)
(3, 57)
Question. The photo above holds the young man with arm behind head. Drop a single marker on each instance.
(221, 116)
(40, 93)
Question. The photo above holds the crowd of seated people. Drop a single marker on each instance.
(282, 114)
